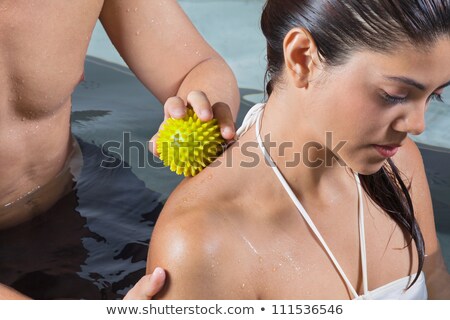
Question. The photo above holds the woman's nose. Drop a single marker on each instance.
(412, 122)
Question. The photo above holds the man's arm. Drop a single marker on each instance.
(410, 162)
(7, 293)
(165, 51)
(144, 289)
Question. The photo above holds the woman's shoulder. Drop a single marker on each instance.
(194, 240)
(409, 160)
(410, 164)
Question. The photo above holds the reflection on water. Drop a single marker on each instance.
(92, 244)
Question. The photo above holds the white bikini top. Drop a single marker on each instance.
(390, 291)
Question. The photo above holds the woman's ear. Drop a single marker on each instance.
(300, 56)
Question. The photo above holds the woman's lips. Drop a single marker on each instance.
(387, 151)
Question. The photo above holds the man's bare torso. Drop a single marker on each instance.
(42, 49)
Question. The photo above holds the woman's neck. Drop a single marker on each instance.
(309, 166)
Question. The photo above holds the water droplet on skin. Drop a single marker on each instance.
(128, 10)
(260, 259)
(135, 9)
(243, 286)
(185, 44)
(138, 33)
(23, 118)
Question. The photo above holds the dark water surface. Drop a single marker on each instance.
(92, 244)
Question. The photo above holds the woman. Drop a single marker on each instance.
(351, 215)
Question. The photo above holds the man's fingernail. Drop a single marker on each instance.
(205, 113)
(227, 131)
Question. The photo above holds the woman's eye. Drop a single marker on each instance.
(392, 99)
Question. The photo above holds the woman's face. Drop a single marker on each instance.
(374, 100)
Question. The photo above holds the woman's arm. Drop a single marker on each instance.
(197, 252)
(410, 163)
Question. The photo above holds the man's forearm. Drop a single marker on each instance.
(169, 56)
(214, 77)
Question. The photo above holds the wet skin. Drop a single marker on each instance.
(42, 60)
(40, 65)
(254, 244)
(42, 51)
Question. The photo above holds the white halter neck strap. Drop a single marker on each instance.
(255, 116)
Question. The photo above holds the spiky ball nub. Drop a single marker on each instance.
(188, 145)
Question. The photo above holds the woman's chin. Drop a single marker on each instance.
(365, 166)
(368, 169)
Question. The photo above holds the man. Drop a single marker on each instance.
(42, 51)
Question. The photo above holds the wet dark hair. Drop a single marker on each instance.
(343, 27)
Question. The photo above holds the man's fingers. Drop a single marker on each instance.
(148, 286)
(224, 117)
(174, 108)
(201, 105)
(157, 279)
(152, 144)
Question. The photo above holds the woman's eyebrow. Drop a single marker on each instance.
(444, 85)
(408, 81)
(413, 83)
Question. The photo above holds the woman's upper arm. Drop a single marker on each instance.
(410, 163)
(194, 255)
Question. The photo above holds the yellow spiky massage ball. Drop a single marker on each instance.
(188, 145)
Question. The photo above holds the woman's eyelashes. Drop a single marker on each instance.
(393, 100)
(436, 96)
